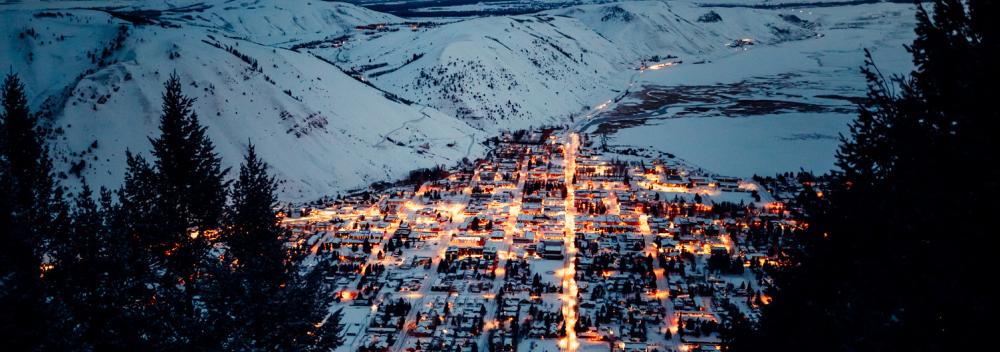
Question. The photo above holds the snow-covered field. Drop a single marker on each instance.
(766, 109)
(761, 145)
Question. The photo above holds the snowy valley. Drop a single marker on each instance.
(496, 175)
(337, 96)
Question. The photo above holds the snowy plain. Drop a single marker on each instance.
(817, 82)
(762, 145)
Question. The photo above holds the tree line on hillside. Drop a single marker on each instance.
(897, 257)
(180, 257)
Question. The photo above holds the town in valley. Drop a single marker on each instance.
(497, 175)
(548, 244)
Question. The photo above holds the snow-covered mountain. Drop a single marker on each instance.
(645, 28)
(275, 22)
(100, 80)
(514, 71)
(493, 71)
(416, 93)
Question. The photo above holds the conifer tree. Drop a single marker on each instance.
(188, 179)
(125, 292)
(886, 266)
(97, 277)
(77, 275)
(173, 204)
(279, 304)
(31, 212)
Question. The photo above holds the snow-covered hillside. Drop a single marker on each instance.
(767, 109)
(493, 71)
(276, 22)
(515, 71)
(100, 79)
(646, 28)
(423, 92)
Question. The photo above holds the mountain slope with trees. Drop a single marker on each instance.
(175, 259)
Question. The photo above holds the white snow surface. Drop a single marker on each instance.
(761, 145)
(806, 71)
(275, 22)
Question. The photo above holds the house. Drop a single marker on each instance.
(551, 249)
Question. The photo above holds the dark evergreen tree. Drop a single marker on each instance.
(189, 178)
(278, 303)
(77, 276)
(137, 274)
(174, 205)
(31, 215)
(888, 264)
(99, 278)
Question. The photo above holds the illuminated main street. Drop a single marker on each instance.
(549, 244)
(570, 289)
